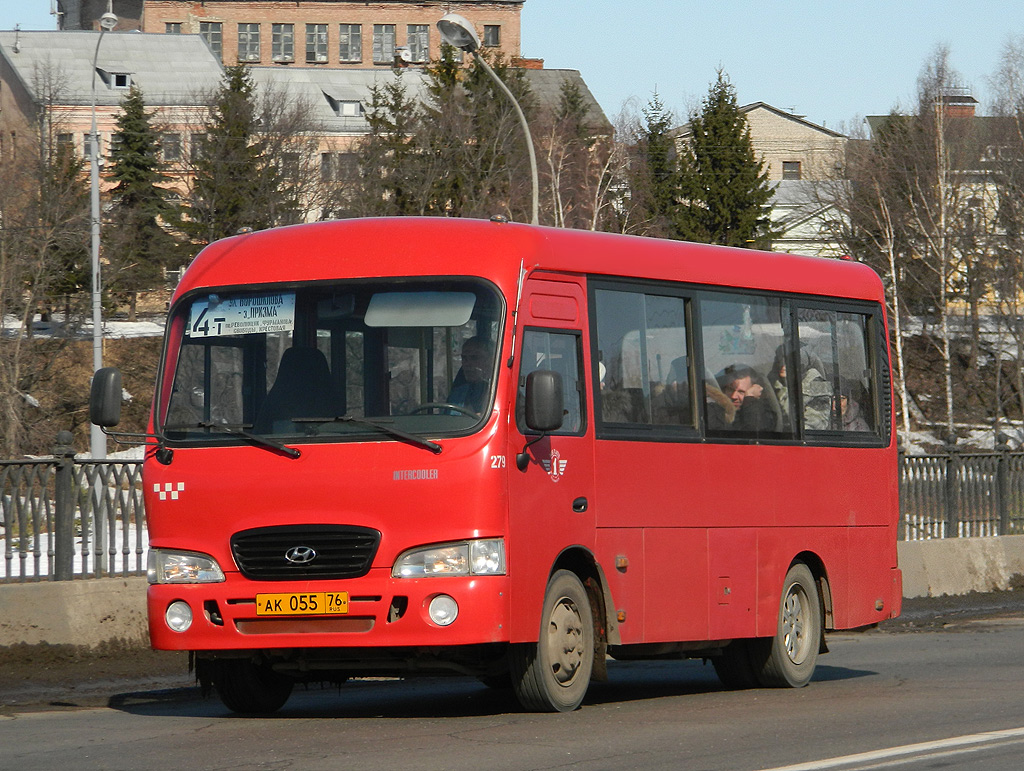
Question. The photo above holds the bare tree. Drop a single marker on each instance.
(44, 257)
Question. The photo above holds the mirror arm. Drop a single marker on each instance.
(522, 459)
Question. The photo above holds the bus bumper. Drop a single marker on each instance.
(382, 611)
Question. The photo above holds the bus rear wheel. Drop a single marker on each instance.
(791, 656)
(250, 689)
(554, 674)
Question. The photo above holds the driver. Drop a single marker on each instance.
(471, 386)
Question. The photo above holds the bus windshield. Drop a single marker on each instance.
(384, 359)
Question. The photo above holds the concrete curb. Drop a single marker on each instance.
(961, 565)
(97, 612)
(89, 612)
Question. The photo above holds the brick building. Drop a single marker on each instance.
(346, 34)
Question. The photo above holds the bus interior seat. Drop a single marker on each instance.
(302, 389)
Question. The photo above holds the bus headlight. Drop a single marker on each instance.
(182, 567)
(484, 557)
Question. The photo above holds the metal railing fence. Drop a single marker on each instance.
(961, 495)
(62, 518)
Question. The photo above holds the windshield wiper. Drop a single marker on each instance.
(397, 433)
(256, 439)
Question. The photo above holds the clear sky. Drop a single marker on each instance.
(828, 60)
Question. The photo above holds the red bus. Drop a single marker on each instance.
(395, 446)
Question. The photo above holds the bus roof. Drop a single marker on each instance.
(437, 246)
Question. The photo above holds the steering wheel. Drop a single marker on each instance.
(444, 406)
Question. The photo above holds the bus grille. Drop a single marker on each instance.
(305, 551)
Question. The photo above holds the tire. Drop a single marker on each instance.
(250, 689)
(735, 667)
(553, 675)
(790, 657)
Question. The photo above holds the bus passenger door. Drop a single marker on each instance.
(551, 499)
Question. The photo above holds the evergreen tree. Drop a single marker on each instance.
(725, 190)
(137, 245)
(654, 174)
(237, 183)
(500, 159)
(62, 212)
(387, 154)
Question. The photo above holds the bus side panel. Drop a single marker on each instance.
(664, 484)
(841, 486)
(856, 564)
(620, 552)
(676, 585)
(733, 576)
(873, 578)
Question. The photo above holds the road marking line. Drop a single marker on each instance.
(988, 737)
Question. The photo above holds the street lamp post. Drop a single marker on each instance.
(459, 32)
(97, 440)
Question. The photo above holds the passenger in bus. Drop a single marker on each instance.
(814, 388)
(849, 408)
(746, 389)
(471, 385)
(720, 411)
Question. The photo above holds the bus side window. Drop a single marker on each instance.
(857, 397)
(644, 363)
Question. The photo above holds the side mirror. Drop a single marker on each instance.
(544, 401)
(105, 397)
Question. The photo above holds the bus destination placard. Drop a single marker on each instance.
(242, 315)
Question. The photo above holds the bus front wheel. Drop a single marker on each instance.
(553, 675)
(250, 689)
(790, 656)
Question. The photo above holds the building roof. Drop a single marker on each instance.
(181, 69)
(326, 90)
(684, 130)
(170, 69)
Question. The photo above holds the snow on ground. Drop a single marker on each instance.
(130, 540)
(112, 328)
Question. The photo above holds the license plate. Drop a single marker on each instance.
(302, 604)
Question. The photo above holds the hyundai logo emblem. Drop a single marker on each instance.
(300, 555)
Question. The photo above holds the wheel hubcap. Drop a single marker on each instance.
(565, 641)
(794, 621)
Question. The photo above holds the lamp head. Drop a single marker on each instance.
(108, 21)
(458, 32)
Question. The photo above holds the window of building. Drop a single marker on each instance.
(791, 169)
(492, 35)
(213, 33)
(248, 42)
(383, 43)
(87, 146)
(170, 148)
(197, 145)
(350, 46)
(418, 41)
(66, 140)
(339, 167)
(282, 42)
(316, 43)
(172, 27)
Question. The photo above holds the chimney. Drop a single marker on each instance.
(958, 103)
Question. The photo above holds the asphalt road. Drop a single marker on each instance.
(939, 689)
